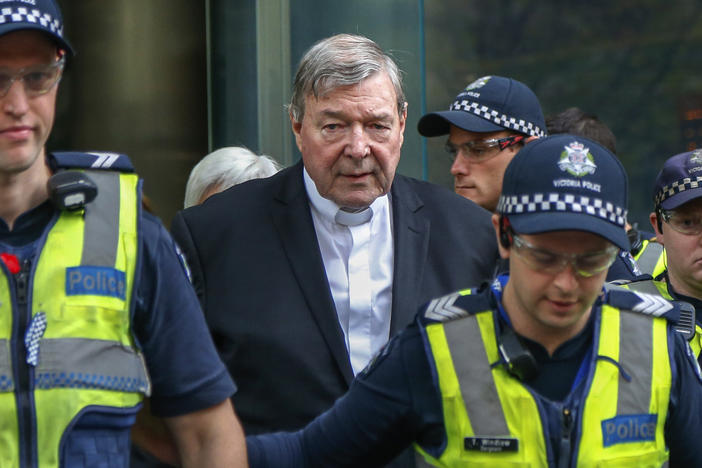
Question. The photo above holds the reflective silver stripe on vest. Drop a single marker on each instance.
(480, 395)
(647, 287)
(101, 232)
(420, 462)
(649, 257)
(7, 383)
(85, 363)
(636, 357)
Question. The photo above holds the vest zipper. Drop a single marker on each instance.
(21, 282)
(24, 371)
(566, 431)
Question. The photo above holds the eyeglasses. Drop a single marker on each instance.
(685, 222)
(585, 264)
(478, 151)
(37, 79)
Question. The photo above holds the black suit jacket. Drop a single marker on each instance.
(258, 271)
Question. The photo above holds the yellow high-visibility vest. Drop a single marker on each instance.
(81, 351)
(492, 419)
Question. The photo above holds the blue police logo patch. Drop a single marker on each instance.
(629, 428)
(630, 262)
(183, 261)
(95, 281)
(378, 358)
(692, 359)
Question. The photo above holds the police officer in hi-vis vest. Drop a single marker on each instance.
(96, 311)
(677, 220)
(541, 368)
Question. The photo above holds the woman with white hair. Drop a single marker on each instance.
(225, 168)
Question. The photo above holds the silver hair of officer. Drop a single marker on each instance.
(225, 168)
(341, 60)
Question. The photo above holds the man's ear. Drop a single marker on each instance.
(296, 128)
(504, 251)
(403, 121)
(653, 217)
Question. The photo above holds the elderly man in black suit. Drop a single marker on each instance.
(304, 276)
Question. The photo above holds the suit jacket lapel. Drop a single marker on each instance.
(411, 232)
(293, 221)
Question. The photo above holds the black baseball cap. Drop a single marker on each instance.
(40, 15)
(489, 104)
(566, 182)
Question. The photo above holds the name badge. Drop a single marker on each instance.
(491, 444)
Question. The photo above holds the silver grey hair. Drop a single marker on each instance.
(341, 60)
(225, 168)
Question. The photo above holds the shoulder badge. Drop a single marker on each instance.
(183, 261)
(630, 262)
(379, 357)
(692, 359)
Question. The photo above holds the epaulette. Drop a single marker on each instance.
(93, 160)
(680, 314)
(458, 304)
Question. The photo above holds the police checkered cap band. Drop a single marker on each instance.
(498, 118)
(41, 15)
(676, 187)
(562, 203)
(32, 16)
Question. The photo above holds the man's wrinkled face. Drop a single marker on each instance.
(350, 140)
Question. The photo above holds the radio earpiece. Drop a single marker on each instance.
(505, 232)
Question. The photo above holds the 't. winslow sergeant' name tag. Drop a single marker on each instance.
(491, 444)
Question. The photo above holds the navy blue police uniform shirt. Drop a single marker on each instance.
(186, 372)
(395, 402)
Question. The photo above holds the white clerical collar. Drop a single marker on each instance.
(330, 210)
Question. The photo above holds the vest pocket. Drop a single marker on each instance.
(98, 322)
(497, 463)
(98, 437)
(651, 459)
